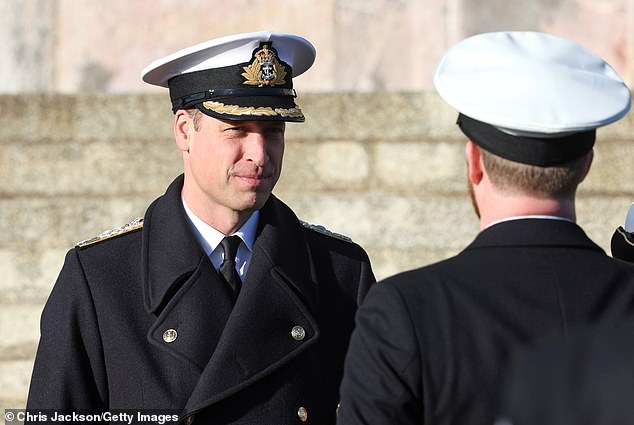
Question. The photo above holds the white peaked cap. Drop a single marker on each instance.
(531, 83)
(239, 77)
(298, 52)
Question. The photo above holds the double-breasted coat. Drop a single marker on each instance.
(429, 343)
(141, 320)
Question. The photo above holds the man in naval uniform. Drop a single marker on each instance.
(219, 306)
(429, 343)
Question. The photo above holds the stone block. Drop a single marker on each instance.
(399, 232)
(380, 220)
(28, 49)
(130, 46)
(324, 114)
(14, 383)
(388, 262)
(368, 117)
(329, 165)
(20, 325)
(11, 274)
(41, 223)
(621, 130)
(116, 168)
(342, 165)
(385, 116)
(599, 215)
(119, 118)
(414, 166)
(34, 118)
(603, 27)
(612, 170)
(371, 45)
(124, 117)
(29, 273)
(387, 45)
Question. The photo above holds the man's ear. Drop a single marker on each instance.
(183, 126)
(475, 169)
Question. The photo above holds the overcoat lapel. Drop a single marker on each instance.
(198, 313)
(180, 284)
(278, 294)
(231, 346)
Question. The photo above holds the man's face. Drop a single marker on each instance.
(233, 165)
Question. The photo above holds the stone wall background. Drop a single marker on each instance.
(84, 145)
(78, 46)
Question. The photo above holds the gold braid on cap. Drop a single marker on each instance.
(221, 108)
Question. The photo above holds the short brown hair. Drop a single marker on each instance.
(543, 182)
(196, 116)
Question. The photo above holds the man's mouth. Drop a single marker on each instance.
(253, 179)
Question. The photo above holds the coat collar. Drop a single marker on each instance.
(279, 294)
(171, 252)
(281, 239)
(533, 232)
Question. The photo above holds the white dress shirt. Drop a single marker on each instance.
(210, 238)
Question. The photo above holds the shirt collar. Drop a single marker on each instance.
(521, 217)
(248, 230)
(209, 238)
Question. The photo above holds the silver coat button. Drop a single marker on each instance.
(302, 413)
(170, 335)
(298, 333)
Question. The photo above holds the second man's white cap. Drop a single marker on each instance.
(539, 87)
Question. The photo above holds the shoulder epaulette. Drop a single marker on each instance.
(321, 229)
(133, 225)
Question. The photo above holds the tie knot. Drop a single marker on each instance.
(230, 247)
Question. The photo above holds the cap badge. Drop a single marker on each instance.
(264, 69)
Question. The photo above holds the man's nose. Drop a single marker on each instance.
(255, 150)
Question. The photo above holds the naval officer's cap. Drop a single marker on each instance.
(530, 97)
(238, 77)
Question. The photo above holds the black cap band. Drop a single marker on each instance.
(538, 151)
(261, 89)
(191, 100)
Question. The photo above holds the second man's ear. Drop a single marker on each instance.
(475, 170)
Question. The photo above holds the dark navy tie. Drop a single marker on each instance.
(228, 267)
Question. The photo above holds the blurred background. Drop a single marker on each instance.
(85, 145)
